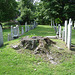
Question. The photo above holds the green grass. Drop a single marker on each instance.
(13, 63)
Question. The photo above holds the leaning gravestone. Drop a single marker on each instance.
(1, 36)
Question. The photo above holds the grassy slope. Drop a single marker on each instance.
(15, 63)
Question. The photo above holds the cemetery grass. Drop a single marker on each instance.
(25, 63)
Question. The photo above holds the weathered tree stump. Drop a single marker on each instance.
(39, 44)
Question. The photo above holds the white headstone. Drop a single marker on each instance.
(63, 34)
(1, 36)
(15, 32)
(60, 32)
(11, 32)
(69, 34)
(22, 30)
(66, 32)
(18, 30)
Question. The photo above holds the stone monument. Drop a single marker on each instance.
(1, 36)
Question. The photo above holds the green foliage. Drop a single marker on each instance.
(7, 10)
(58, 20)
(41, 14)
(26, 8)
(62, 9)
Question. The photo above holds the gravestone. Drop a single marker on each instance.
(9, 37)
(60, 32)
(18, 30)
(69, 34)
(55, 28)
(11, 32)
(22, 31)
(1, 36)
(57, 33)
(15, 32)
(26, 28)
(58, 28)
(63, 34)
(66, 32)
(53, 23)
(34, 24)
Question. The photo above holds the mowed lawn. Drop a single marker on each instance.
(13, 63)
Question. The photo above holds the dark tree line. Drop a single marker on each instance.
(42, 12)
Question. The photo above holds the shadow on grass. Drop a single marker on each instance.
(4, 45)
(73, 49)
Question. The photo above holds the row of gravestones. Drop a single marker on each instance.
(53, 24)
(15, 32)
(65, 35)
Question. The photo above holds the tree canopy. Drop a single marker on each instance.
(42, 12)
(7, 10)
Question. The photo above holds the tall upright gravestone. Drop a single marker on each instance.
(63, 34)
(66, 32)
(60, 32)
(11, 32)
(69, 34)
(1, 36)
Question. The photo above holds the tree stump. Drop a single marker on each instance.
(38, 44)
